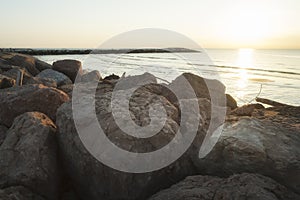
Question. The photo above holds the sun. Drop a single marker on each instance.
(248, 24)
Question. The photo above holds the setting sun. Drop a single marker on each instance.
(249, 23)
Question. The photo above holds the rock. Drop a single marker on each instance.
(18, 193)
(68, 89)
(111, 77)
(13, 73)
(3, 133)
(29, 79)
(22, 61)
(69, 67)
(256, 146)
(4, 65)
(240, 186)
(28, 155)
(247, 110)
(135, 81)
(58, 77)
(210, 89)
(94, 180)
(6, 82)
(49, 82)
(91, 76)
(231, 102)
(41, 65)
(18, 100)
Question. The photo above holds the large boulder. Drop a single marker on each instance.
(240, 186)
(58, 77)
(6, 82)
(91, 76)
(18, 193)
(69, 67)
(210, 89)
(93, 179)
(28, 155)
(135, 81)
(18, 100)
(31, 64)
(256, 146)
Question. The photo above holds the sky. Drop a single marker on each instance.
(210, 23)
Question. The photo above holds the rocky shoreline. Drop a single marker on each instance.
(42, 157)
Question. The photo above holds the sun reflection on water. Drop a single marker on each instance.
(244, 61)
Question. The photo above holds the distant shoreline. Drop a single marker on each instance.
(31, 51)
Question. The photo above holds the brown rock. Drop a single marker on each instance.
(49, 82)
(18, 100)
(59, 78)
(4, 65)
(13, 73)
(28, 155)
(240, 186)
(67, 89)
(112, 77)
(255, 146)
(91, 76)
(69, 67)
(231, 102)
(246, 110)
(105, 182)
(210, 89)
(31, 64)
(6, 82)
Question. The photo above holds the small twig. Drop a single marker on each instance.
(256, 95)
(162, 79)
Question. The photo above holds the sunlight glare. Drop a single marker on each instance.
(245, 60)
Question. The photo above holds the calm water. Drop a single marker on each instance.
(273, 74)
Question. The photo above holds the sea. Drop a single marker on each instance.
(246, 73)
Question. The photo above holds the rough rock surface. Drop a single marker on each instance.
(6, 82)
(18, 100)
(91, 76)
(94, 180)
(247, 110)
(67, 89)
(69, 67)
(256, 146)
(3, 132)
(28, 155)
(18, 193)
(31, 64)
(58, 77)
(238, 187)
(49, 82)
(4, 65)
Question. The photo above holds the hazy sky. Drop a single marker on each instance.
(211, 23)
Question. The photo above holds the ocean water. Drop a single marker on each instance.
(246, 73)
